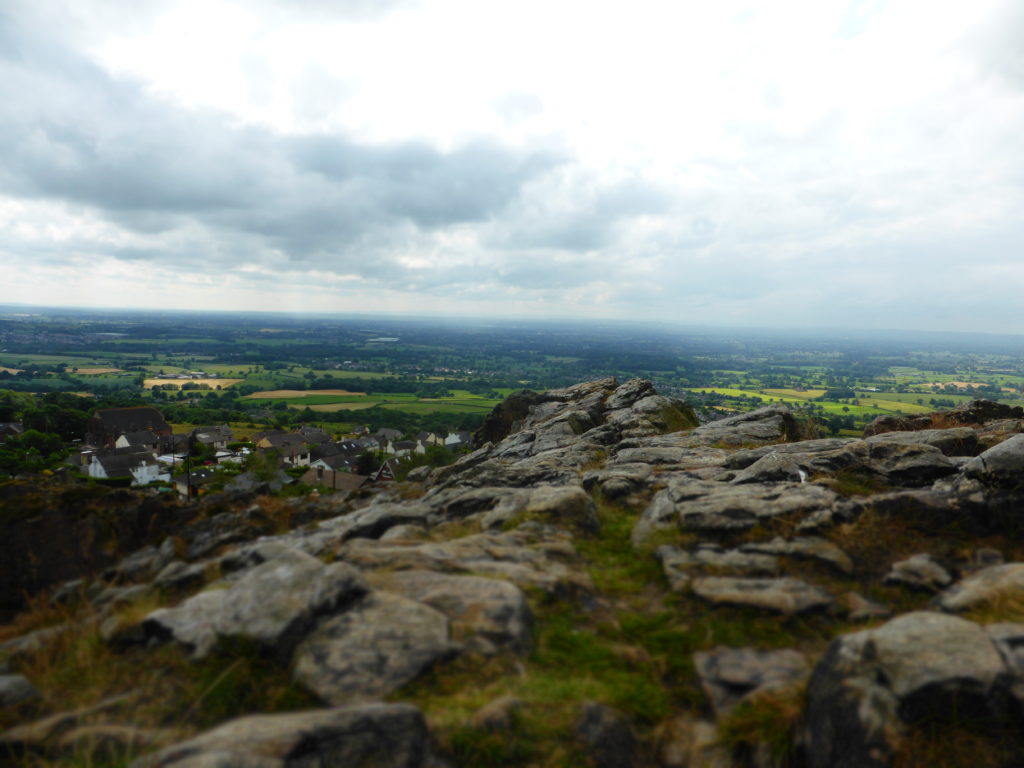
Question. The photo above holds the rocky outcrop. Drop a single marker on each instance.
(597, 544)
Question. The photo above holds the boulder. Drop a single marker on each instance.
(372, 649)
(1002, 464)
(273, 604)
(607, 736)
(770, 468)
(487, 615)
(772, 424)
(730, 676)
(919, 571)
(376, 734)
(15, 690)
(982, 587)
(787, 596)
(955, 441)
(681, 566)
(920, 666)
(805, 548)
(683, 742)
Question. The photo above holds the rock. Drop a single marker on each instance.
(772, 467)
(986, 586)
(250, 555)
(805, 448)
(772, 424)
(404, 533)
(983, 557)
(497, 715)
(1000, 465)
(25, 645)
(506, 416)
(683, 742)
(620, 480)
(918, 572)
(372, 650)
(607, 735)
(787, 595)
(15, 690)
(378, 735)
(273, 604)
(891, 423)
(372, 521)
(567, 506)
(919, 666)
(729, 676)
(111, 742)
(488, 615)
(418, 475)
(178, 576)
(681, 566)
(629, 393)
(956, 441)
(39, 735)
(115, 597)
(862, 609)
(805, 548)
(715, 507)
(981, 411)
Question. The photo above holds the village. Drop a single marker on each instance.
(136, 446)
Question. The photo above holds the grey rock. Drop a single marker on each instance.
(619, 480)
(251, 555)
(730, 676)
(372, 521)
(273, 604)
(956, 441)
(918, 666)
(115, 597)
(179, 576)
(919, 571)
(983, 557)
(772, 424)
(787, 596)
(488, 615)
(862, 609)
(687, 743)
(985, 586)
(715, 507)
(607, 735)
(497, 715)
(629, 393)
(16, 689)
(372, 650)
(404, 533)
(377, 734)
(39, 735)
(680, 566)
(805, 548)
(805, 448)
(772, 467)
(1002, 464)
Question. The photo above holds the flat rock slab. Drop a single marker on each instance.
(378, 735)
(918, 572)
(273, 604)
(487, 615)
(805, 548)
(772, 424)
(373, 649)
(1001, 464)
(787, 596)
(918, 666)
(681, 566)
(984, 586)
(731, 675)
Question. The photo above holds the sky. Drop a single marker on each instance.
(785, 164)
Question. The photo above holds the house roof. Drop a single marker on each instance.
(143, 437)
(336, 461)
(117, 464)
(218, 434)
(403, 445)
(124, 420)
(388, 434)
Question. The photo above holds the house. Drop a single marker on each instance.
(429, 438)
(150, 441)
(314, 435)
(292, 447)
(338, 481)
(339, 462)
(108, 424)
(460, 439)
(386, 471)
(402, 448)
(390, 435)
(10, 429)
(217, 437)
(190, 485)
(140, 465)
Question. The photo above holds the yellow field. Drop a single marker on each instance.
(10, 370)
(96, 371)
(214, 383)
(808, 394)
(270, 394)
(332, 407)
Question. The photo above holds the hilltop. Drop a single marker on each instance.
(604, 581)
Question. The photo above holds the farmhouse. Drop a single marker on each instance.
(292, 447)
(217, 437)
(109, 424)
(120, 462)
(338, 481)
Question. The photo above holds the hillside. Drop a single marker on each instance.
(602, 582)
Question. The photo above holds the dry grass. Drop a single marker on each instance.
(767, 719)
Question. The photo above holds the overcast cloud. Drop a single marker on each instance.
(813, 163)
